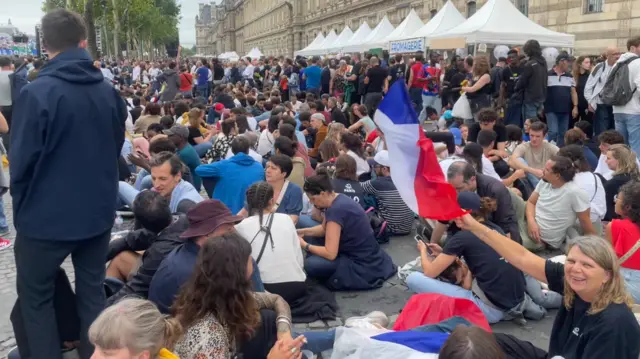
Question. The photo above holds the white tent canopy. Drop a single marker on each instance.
(342, 39)
(314, 44)
(320, 49)
(255, 53)
(359, 36)
(500, 22)
(407, 27)
(375, 38)
(447, 18)
(231, 56)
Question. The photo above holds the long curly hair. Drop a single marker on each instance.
(626, 161)
(220, 286)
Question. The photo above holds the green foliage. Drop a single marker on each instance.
(188, 52)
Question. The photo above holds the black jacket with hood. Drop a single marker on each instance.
(172, 80)
(156, 247)
(532, 84)
(67, 134)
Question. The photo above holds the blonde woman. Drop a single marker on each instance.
(622, 161)
(134, 329)
(337, 84)
(595, 320)
(479, 94)
(335, 132)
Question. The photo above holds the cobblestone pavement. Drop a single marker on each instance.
(389, 299)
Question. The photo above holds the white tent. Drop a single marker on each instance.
(447, 18)
(375, 38)
(314, 44)
(407, 27)
(344, 37)
(255, 53)
(230, 56)
(500, 22)
(321, 49)
(359, 36)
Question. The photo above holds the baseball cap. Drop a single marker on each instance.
(381, 158)
(219, 107)
(448, 114)
(457, 135)
(206, 217)
(177, 130)
(469, 201)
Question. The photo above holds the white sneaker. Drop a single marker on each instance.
(373, 320)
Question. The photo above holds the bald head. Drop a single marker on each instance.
(612, 53)
(96, 64)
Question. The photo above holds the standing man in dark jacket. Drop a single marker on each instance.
(171, 78)
(69, 116)
(533, 81)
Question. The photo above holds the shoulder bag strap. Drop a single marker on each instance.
(281, 195)
(595, 184)
(631, 252)
(267, 236)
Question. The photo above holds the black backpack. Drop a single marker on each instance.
(380, 228)
(617, 90)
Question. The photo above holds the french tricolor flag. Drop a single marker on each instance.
(414, 165)
(357, 343)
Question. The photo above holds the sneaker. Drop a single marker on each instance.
(13, 353)
(375, 319)
(4, 243)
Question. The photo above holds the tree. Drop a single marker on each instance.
(92, 47)
(188, 52)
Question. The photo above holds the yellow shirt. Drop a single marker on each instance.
(165, 354)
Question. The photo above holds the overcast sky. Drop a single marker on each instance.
(25, 14)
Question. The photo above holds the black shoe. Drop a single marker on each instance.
(13, 354)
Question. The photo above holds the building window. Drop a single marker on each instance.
(433, 12)
(523, 6)
(471, 8)
(591, 6)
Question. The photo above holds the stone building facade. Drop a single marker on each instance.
(280, 27)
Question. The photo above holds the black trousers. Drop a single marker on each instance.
(515, 348)
(37, 263)
(263, 339)
(289, 291)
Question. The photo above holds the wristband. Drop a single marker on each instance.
(306, 248)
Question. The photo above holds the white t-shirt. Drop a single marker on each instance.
(556, 210)
(265, 142)
(488, 169)
(593, 187)
(281, 261)
(362, 166)
(135, 74)
(446, 163)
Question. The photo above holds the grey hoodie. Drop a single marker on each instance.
(172, 79)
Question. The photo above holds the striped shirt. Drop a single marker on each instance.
(390, 205)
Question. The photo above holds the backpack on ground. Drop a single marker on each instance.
(380, 228)
(617, 90)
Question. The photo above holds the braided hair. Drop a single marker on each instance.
(258, 197)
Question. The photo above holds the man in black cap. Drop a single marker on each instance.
(562, 99)
(207, 220)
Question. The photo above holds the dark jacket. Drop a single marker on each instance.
(156, 246)
(69, 117)
(338, 116)
(533, 81)
(505, 215)
(172, 79)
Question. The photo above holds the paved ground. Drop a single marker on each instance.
(389, 299)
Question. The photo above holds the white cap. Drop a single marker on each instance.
(382, 158)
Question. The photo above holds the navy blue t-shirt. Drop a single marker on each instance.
(559, 92)
(356, 237)
(291, 203)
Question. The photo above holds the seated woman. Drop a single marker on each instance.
(589, 182)
(363, 121)
(343, 251)
(623, 162)
(222, 142)
(624, 234)
(233, 320)
(595, 320)
(500, 290)
(274, 244)
(284, 146)
(287, 196)
(352, 146)
(133, 328)
(200, 141)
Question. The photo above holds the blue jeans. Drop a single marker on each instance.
(305, 221)
(258, 286)
(429, 101)
(203, 91)
(629, 127)
(532, 179)
(558, 125)
(202, 148)
(513, 115)
(126, 194)
(143, 180)
(603, 120)
(3, 218)
(530, 110)
(420, 283)
(415, 94)
(632, 282)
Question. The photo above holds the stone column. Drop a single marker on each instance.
(297, 40)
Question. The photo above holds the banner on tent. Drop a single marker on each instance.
(449, 43)
(411, 45)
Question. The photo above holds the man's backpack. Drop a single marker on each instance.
(617, 90)
(380, 228)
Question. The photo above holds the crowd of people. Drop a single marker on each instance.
(259, 188)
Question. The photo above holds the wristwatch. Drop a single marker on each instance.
(306, 248)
